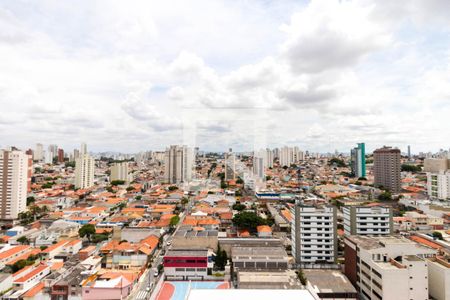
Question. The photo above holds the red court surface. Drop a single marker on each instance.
(166, 291)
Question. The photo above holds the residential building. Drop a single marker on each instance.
(439, 277)
(84, 171)
(192, 264)
(120, 171)
(230, 165)
(60, 155)
(387, 169)
(110, 285)
(438, 185)
(313, 234)
(39, 152)
(387, 267)
(365, 220)
(14, 181)
(178, 163)
(358, 160)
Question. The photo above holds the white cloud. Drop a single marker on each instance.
(126, 76)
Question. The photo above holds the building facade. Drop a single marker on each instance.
(178, 164)
(387, 169)
(363, 220)
(120, 171)
(387, 267)
(187, 264)
(14, 175)
(84, 171)
(358, 160)
(313, 234)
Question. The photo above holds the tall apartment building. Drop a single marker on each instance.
(230, 165)
(120, 171)
(84, 171)
(178, 164)
(364, 220)
(39, 152)
(438, 177)
(14, 180)
(388, 268)
(313, 234)
(60, 155)
(387, 168)
(358, 160)
(268, 158)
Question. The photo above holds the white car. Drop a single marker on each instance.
(169, 243)
(156, 273)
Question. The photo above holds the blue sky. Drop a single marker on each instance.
(136, 75)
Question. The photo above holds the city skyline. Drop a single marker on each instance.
(135, 77)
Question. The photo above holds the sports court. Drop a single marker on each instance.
(177, 290)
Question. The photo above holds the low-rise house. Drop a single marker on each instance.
(64, 246)
(264, 231)
(111, 285)
(192, 264)
(29, 277)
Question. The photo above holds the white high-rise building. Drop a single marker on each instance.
(365, 220)
(83, 149)
(178, 162)
(286, 156)
(39, 152)
(388, 268)
(53, 150)
(48, 159)
(268, 158)
(438, 185)
(314, 234)
(120, 171)
(84, 171)
(14, 171)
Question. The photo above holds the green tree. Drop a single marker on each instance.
(23, 240)
(173, 188)
(302, 277)
(239, 206)
(174, 221)
(239, 181)
(117, 182)
(385, 196)
(30, 200)
(87, 230)
(437, 235)
(248, 220)
(411, 168)
(338, 162)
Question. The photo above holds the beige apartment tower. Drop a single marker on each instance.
(13, 183)
(387, 168)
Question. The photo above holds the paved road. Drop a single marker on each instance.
(141, 292)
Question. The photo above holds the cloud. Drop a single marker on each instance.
(331, 34)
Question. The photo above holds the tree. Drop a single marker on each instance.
(239, 180)
(302, 277)
(117, 182)
(23, 240)
(437, 235)
(43, 248)
(248, 220)
(87, 230)
(338, 162)
(174, 221)
(221, 258)
(411, 168)
(30, 200)
(173, 188)
(385, 196)
(130, 188)
(239, 206)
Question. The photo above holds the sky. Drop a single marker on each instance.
(129, 76)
